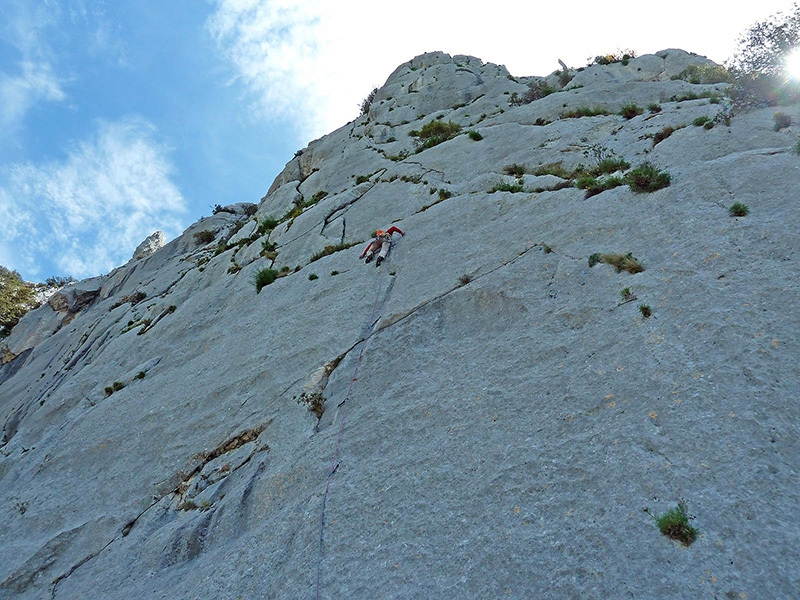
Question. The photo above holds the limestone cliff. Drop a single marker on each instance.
(488, 413)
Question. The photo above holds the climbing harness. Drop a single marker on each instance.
(343, 405)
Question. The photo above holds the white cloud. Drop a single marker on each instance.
(88, 212)
(313, 62)
(30, 79)
(36, 82)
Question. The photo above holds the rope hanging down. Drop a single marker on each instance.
(343, 405)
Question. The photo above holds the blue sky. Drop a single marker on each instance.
(120, 118)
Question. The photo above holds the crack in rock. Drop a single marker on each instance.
(394, 319)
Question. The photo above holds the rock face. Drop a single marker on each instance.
(491, 414)
(151, 243)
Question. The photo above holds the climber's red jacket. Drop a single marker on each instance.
(379, 235)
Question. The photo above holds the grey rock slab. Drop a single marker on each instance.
(496, 415)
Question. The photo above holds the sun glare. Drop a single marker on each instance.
(793, 64)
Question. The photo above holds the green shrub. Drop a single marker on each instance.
(663, 134)
(782, 120)
(114, 387)
(645, 310)
(536, 91)
(584, 111)
(435, 132)
(654, 108)
(647, 178)
(621, 262)
(627, 295)
(598, 186)
(705, 74)
(312, 276)
(264, 277)
(204, 237)
(675, 525)
(411, 178)
(362, 179)
(629, 111)
(506, 187)
(700, 121)
(267, 225)
(444, 194)
(331, 248)
(797, 147)
(515, 170)
(133, 299)
(334, 273)
(738, 210)
(612, 164)
(474, 135)
(621, 56)
(586, 182)
(316, 197)
(140, 375)
(402, 155)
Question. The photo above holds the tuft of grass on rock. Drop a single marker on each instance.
(621, 262)
(584, 111)
(628, 111)
(647, 178)
(663, 134)
(515, 170)
(331, 248)
(204, 237)
(506, 187)
(433, 133)
(675, 524)
(645, 310)
(267, 225)
(264, 277)
(738, 210)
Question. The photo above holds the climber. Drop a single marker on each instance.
(383, 240)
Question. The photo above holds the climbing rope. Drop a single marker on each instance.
(343, 405)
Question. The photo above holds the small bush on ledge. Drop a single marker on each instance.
(647, 178)
(264, 277)
(434, 133)
(204, 237)
(628, 111)
(506, 187)
(584, 111)
(330, 249)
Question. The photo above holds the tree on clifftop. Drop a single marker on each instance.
(761, 62)
(16, 298)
